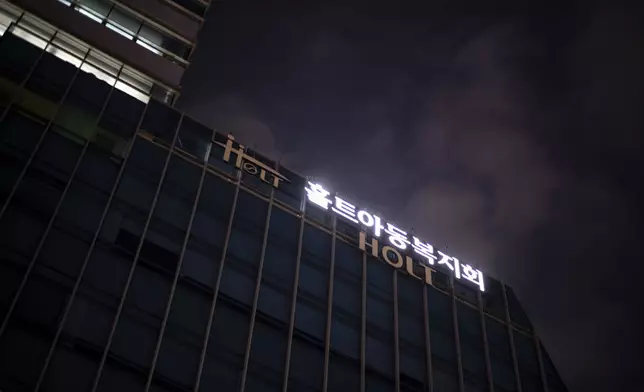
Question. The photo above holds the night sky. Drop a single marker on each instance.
(512, 137)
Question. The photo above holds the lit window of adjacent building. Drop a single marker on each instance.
(89, 14)
(147, 46)
(8, 15)
(69, 49)
(135, 27)
(31, 30)
(119, 30)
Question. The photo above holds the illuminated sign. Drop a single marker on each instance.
(394, 258)
(249, 164)
(400, 240)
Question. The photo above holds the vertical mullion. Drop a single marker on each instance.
(220, 272)
(428, 346)
(60, 202)
(396, 333)
(329, 311)
(41, 242)
(296, 282)
(44, 132)
(457, 339)
(486, 346)
(81, 273)
(105, 18)
(515, 364)
(175, 280)
(19, 19)
(363, 325)
(138, 30)
(258, 285)
(542, 372)
(130, 276)
(31, 71)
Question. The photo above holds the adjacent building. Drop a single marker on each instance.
(141, 46)
(142, 251)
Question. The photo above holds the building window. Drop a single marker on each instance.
(119, 30)
(75, 52)
(147, 46)
(132, 91)
(32, 30)
(31, 38)
(132, 26)
(96, 8)
(8, 15)
(124, 22)
(101, 67)
(89, 14)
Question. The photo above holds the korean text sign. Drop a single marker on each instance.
(399, 239)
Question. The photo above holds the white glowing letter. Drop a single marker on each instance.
(318, 195)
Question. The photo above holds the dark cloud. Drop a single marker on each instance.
(476, 136)
(512, 139)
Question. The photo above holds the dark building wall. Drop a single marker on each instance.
(132, 256)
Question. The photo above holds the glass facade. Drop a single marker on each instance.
(134, 257)
(136, 27)
(57, 43)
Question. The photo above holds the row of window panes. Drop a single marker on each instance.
(128, 25)
(80, 55)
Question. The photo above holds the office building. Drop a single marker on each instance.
(142, 251)
(142, 46)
